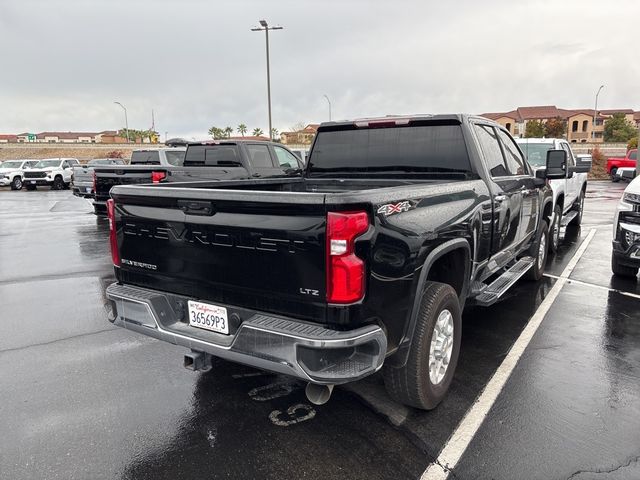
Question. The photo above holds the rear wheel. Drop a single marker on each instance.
(622, 270)
(58, 183)
(16, 183)
(614, 177)
(539, 253)
(425, 378)
(554, 234)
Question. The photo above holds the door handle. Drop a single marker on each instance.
(500, 198)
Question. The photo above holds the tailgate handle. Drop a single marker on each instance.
(196, 207)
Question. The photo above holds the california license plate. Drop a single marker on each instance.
(87, 189)
(209, 317)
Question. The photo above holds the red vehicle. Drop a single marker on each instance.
(613, 164)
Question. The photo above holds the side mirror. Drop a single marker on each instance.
(583, 164)
(556, 164)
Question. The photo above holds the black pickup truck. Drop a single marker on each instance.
(368, 258)
(210, 160)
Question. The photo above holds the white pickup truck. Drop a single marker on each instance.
(12, 172)
(568, 193)
(53, 172)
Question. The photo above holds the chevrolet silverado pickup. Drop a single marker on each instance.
(82, 176)
(210, 160)
(626, 162)
(51, 172)
(12, 172)
(569, 192)
(364, 261)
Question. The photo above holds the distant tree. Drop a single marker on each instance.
(619, 129)
(216, 133)
(534, 129)
(633, 143)
(555, 128)
(257, 132)
(297, 127)
(242, 129)
(275, 134)
(228, 131)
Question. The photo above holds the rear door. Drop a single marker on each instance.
(507, 197)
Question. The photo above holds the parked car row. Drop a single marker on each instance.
(12, 172)
(52, 172)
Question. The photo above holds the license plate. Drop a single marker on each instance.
(33, 182)
(209, 317)
(87, 189)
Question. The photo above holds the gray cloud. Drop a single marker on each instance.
(197, 64)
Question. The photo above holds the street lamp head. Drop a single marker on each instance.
(264, 23)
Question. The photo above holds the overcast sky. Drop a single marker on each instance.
(197, 64)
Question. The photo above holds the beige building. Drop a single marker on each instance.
(580, 122)
(301, 137)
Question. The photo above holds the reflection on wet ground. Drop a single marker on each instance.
(82, 399)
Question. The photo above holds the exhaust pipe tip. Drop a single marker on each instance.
(318, 394)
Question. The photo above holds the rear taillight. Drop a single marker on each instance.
(345, 271)
(113, 238)
(94, 182)
(157, 177)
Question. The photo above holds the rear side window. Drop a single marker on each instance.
(633, 155)
(405, 150)
(212, 156)
(515, 161)
(175, 158)
(259, 156)
(145, 158)
(491, 150)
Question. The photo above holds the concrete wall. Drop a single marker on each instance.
(83, 152)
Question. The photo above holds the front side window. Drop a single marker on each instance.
(491, 150)
(285, 158)
(515, 162)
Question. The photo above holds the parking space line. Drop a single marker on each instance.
(460, 439)
(593, 285)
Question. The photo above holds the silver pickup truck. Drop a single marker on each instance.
(82, 177)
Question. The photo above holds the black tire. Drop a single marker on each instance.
(554, 233)
(30, 187)
(622, 270)
(411, 384)
(537, 270)
(614, 177)
(16, 183)
(58, 183)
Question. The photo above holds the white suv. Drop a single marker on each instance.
(12, 171)
(53, 172)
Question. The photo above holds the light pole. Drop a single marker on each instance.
(329, 102)
(265, 26)
(595, 114)
(126, 121)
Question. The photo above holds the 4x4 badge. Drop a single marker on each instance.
(391, 208)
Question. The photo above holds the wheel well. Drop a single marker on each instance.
(451, 268)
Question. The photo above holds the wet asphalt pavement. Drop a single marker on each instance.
(82, 399)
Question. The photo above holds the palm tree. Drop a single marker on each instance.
(242, 129)
(257, 132)
(228, 131)
(275, 134)
(216, 133)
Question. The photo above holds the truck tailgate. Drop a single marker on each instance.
(106, 178)
(255, 253)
